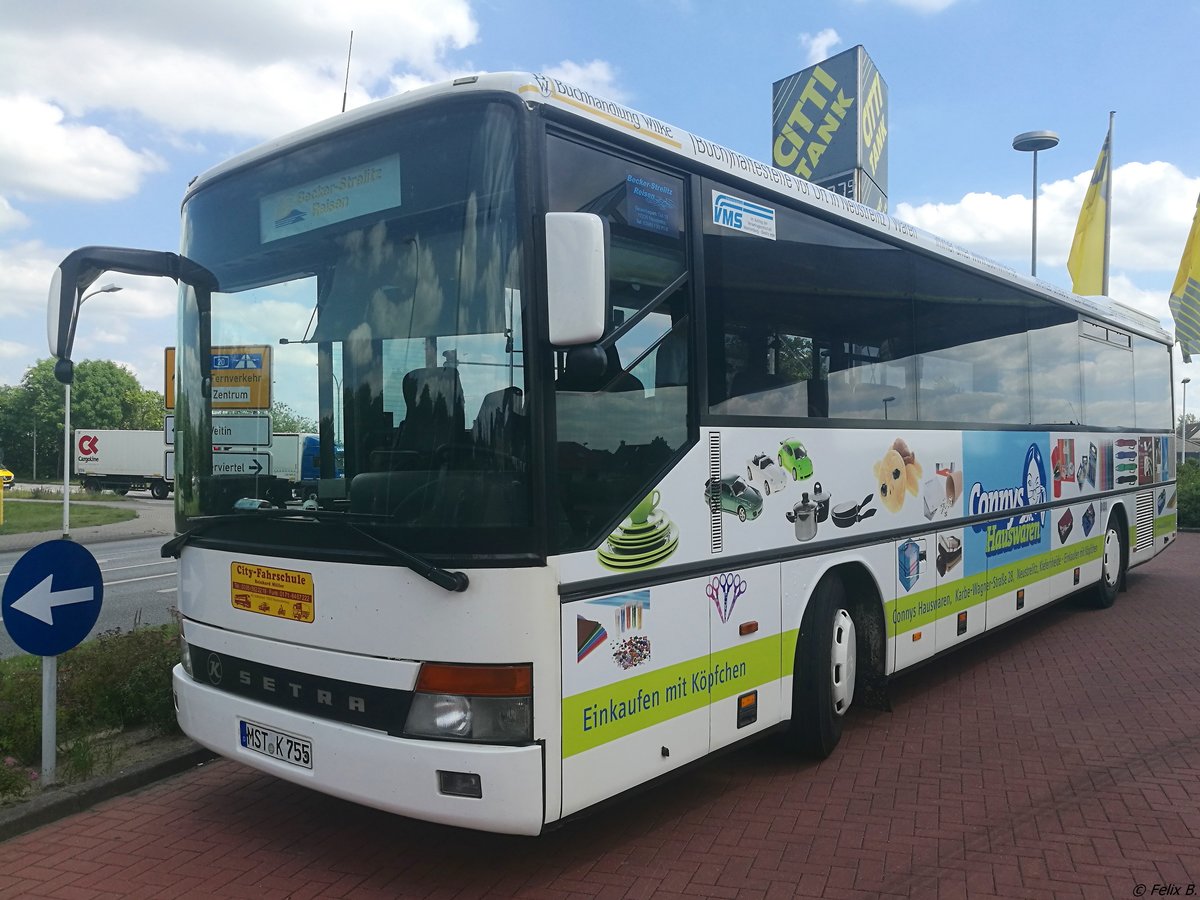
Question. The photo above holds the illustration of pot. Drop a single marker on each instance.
(804, 517)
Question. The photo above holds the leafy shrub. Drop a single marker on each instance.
(1189, 494)
(117, 681)
(15, 779)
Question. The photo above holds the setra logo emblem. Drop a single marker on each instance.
(214, 668)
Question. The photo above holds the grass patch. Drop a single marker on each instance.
(54, 492)
(24, 516)
(115, 683)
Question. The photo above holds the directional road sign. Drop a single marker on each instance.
(52, 598)
(241, 463)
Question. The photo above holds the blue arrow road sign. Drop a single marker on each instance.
(52, 598)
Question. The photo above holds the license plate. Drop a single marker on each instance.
(276, 744)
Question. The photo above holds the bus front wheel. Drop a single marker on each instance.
(825, 671)
(1112, 566)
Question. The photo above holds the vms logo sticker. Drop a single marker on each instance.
(743, 215)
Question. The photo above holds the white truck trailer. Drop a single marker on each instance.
(122, 461)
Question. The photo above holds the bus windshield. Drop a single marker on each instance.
(370, 291)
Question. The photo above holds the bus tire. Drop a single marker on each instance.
(159, 490)
(1112, 565)
(825, 672)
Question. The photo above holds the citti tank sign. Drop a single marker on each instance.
(829, 125)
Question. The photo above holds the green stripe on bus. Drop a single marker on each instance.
(925, 607)
(606, 713)
(1165, 525)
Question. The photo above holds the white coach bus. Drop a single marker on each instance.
(649, 449)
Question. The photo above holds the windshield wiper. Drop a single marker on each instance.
(443, 578)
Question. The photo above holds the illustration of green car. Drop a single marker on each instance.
(794, 458)
(731, 494)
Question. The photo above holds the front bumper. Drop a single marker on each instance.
(398, 775)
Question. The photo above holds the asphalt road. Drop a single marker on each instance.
(139, 585)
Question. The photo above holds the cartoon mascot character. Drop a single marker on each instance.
(898, 473)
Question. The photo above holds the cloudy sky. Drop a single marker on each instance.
(110, 109)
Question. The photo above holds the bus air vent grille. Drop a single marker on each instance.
(714, 491)
(1143, 529)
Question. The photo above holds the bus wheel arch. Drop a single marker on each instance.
(840, 655)
(1114, 559)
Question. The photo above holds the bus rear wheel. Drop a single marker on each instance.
(825, 672)
(1112, 566)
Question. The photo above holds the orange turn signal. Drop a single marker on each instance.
(476, 680)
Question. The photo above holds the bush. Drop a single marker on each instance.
(1189, 494)
(116, 682)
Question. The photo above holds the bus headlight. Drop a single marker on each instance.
(185, 653)
(472, 703)
(440, 715)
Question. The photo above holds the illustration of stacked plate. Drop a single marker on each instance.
(644, 539)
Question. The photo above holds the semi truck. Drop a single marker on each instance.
(295, 464)
(123, 461)
(297, 458)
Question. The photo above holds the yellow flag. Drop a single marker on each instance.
(1185, 293)
(1088, 261)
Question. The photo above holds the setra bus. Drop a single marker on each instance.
(648, 449)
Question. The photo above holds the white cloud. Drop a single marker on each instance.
(10, 217)
(253, 70)
(597, 76)
(139, 319)
(25, 272)
(1152, 209)
(920, 6)
(819, 47)
(925, 6)
(41, 155)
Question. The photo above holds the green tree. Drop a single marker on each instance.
(103, 395)
(284, 420)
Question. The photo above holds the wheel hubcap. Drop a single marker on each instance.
(843, 661)
(1112, 557)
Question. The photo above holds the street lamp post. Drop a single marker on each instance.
(1183, 425)
(1033, 141)
(66, 516)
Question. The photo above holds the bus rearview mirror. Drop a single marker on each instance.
(576, 277)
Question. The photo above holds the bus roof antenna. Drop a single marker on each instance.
(346, 86)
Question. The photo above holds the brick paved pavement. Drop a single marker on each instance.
(1058, 759)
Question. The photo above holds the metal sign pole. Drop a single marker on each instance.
(67, 444)
(49, 719)
(49, 603)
